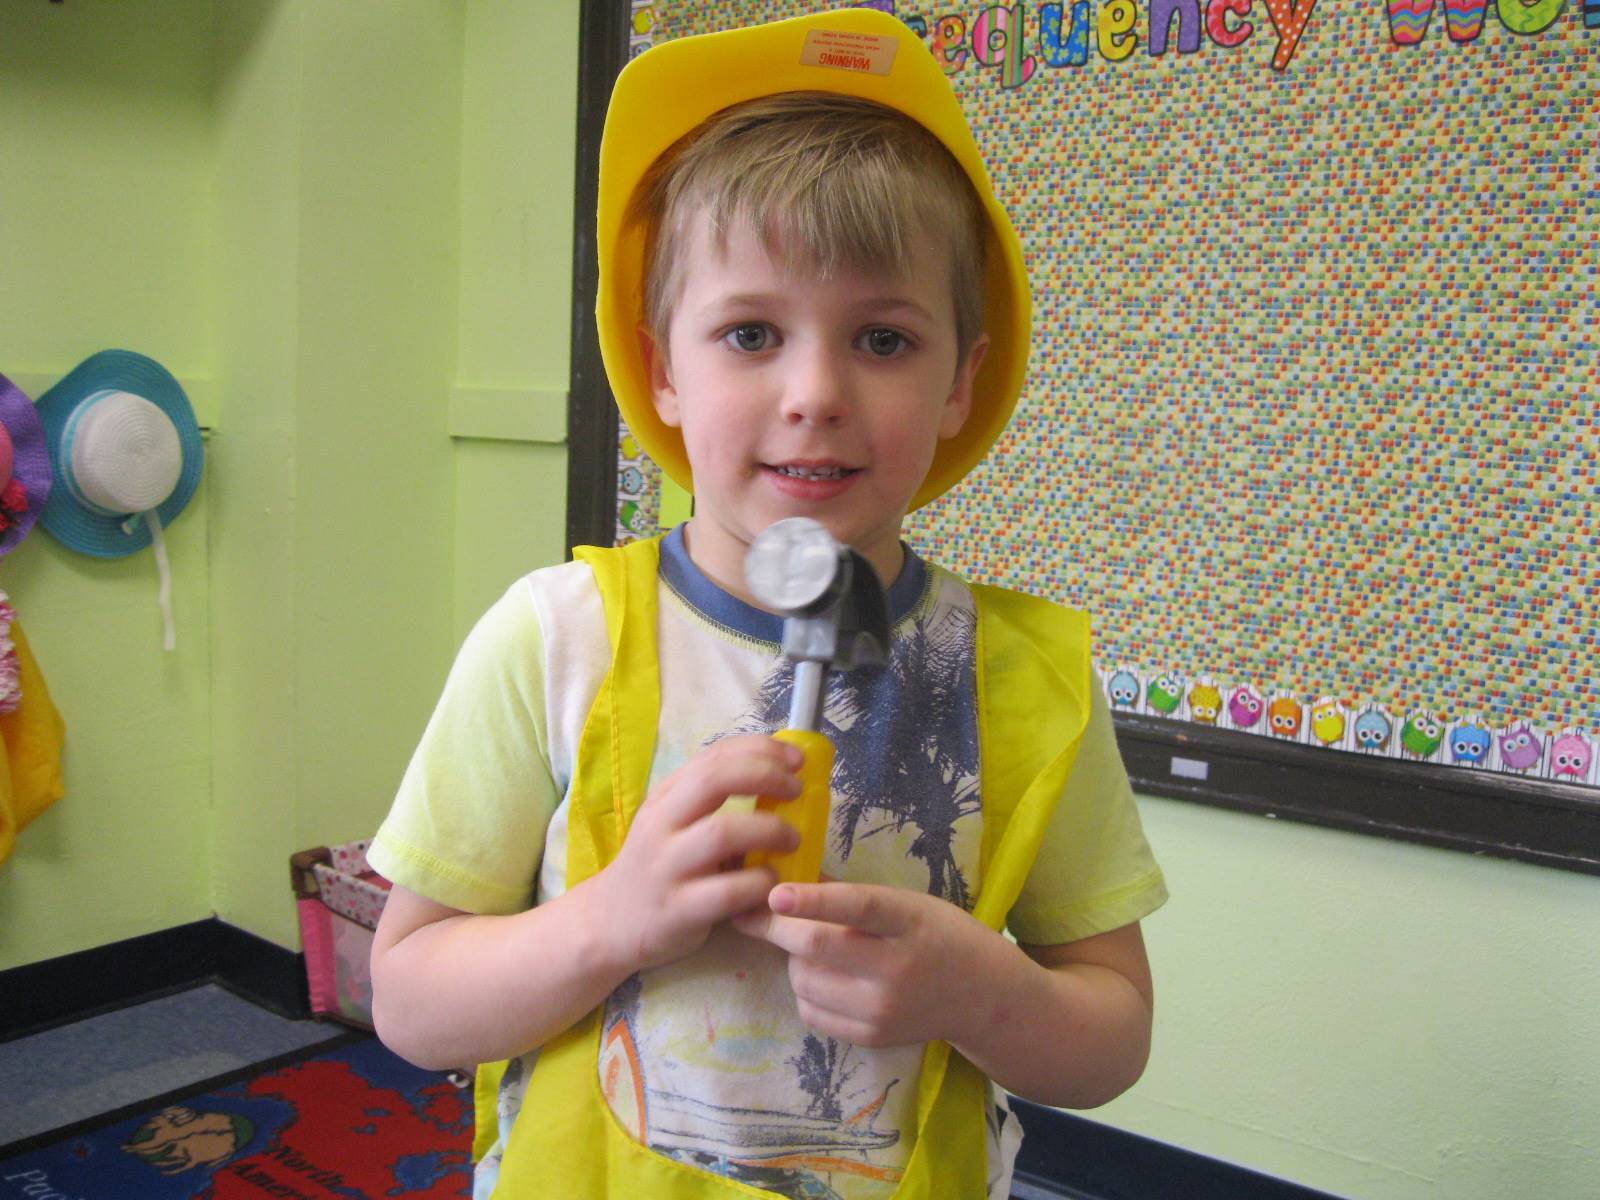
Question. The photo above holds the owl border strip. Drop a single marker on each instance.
(1469, 742)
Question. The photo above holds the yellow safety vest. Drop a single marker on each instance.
(1033, 682)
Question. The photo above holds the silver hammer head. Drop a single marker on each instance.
(836, 614)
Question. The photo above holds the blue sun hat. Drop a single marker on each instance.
(127, 455)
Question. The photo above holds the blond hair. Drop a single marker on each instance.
(824, 180)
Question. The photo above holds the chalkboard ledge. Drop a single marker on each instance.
(1479, 812)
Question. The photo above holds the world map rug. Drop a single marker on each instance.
(342, 1120)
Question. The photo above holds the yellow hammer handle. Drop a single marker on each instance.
(807, 812)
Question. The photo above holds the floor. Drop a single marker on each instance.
(102, 1063)
(98, 1065)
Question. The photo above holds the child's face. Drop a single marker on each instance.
(801, 396)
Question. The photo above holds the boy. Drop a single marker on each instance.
(811, 305)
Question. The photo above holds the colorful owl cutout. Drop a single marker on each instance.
(1373, 730)
(1205, 702)
(1421, 735)
(1123, 689)
(1521, 749)
(1285, 717)
(1328, 723)
(1571, 756)
(1470, 742)
(1164, 694)
(1245, 707)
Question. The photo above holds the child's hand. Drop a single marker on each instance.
(878, 966)
(677, 873)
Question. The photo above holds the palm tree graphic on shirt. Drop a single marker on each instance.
(907, 744)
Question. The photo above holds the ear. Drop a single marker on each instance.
(958, 405)
(659, 368)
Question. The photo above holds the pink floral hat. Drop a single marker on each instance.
(25, 473)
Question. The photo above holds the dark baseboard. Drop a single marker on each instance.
(59, 990)
(1073, 1158)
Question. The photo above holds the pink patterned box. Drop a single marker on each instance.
(340, 899)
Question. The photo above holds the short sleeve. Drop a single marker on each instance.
(467, 826)
(1095, 871)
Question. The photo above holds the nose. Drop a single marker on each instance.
(817, 387)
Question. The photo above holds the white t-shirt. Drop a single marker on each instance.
(706, 1059)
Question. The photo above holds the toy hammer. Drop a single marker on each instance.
(835, 618)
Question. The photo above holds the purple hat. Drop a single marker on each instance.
(25, 473)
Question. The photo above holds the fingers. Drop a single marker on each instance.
(842, 1027)
(728, 837)
(848, 950)
(857, 1005)
(742, 766)
(715, 898)
(884, 911)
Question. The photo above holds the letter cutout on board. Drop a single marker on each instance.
(947, 43)
(1529, 16)
(1116, 22)
(1217, 26)
(1073, 50)
(1289, 18)
(1161, 14)
(1408, 20)
(997, 42)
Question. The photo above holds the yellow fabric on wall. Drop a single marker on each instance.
(31, 738)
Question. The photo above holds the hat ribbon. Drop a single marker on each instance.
(158, 543)
(146, 483)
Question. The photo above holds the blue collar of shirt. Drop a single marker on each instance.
(696, 589)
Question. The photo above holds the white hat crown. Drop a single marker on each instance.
(125, 453)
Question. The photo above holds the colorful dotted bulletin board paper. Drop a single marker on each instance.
(1311, 420)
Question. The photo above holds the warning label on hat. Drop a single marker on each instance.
(869, 52)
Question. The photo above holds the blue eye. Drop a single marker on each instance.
(750, 338)
(884, 343)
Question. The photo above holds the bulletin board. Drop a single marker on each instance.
(1310, 422)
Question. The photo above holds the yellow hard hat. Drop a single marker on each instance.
(673, 87)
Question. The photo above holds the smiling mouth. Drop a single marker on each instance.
(813, 473)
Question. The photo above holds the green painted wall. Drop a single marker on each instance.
(1371, 1017)
(258, 130)
(299, 207)
(338, 127)
(104, 242)
(347, 228)
(519, 106)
